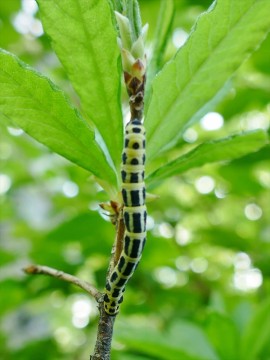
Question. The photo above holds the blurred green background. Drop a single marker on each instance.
(202, 290)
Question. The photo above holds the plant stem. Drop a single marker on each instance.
(46, 270)
(106, 322)
(104, 335)
(120, 230)
(119, 237)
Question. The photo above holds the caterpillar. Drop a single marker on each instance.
(134, 213)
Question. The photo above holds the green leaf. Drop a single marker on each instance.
(147, 342)
(162, 35)
(257, 333)
(212, 151)
(116, 5)
(223, 335)
(41, 109)
(84, 39)
(192, 340)
(77, 230)
(134, 16)
(221, 40)
(128, 356)
(184, 341)
(6, 257)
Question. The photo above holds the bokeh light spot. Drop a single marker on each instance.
(253, 212)
(183, 235)
(150, 222)
(199, 265)
(70, 189)
(179, 37)
(190, 135)
(5, 183)
(183, 263)
(242, 261)
(205, 184)
(166, 276)
(29, 6)
(264, 178)
(220, 193)
(166, 230)
(212, 121)
(25, 23)
(248, 280)
(82, 308)
(15, 131)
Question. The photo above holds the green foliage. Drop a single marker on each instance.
(212, 151)
(257, 334)
(214, 50)
(85, 43)
(41, 109)
(223, 335)
(162, 37)
(176, 343)
(134, 16)
(202, 288)
(217, 339)
(192, 66)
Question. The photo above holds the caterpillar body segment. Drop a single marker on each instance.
(134, 213)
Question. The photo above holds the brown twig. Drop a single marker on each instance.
(119, 236)
(102, 349)
(46, 270)
(105, 325)
(106, 322)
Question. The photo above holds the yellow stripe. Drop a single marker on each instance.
(133, 186)
(132, 168)
(135, 209)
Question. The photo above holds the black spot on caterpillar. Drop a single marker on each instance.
(134, 213)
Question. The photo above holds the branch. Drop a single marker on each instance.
(118, 240)
(106, 322)
(104, 335)
(45, 270)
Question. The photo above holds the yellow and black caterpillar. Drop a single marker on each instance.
(134, 212)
